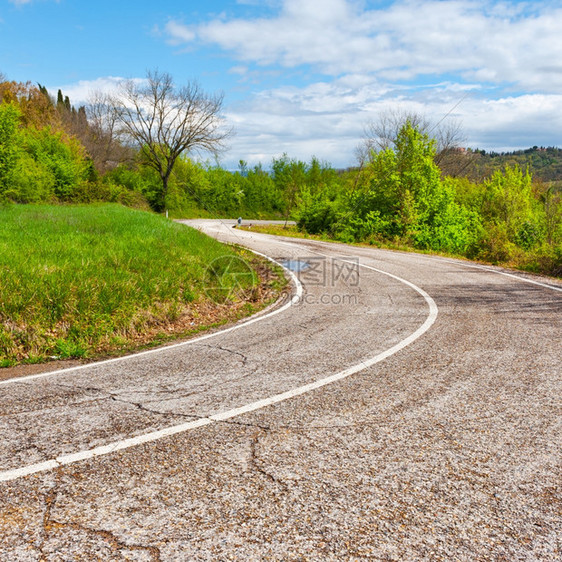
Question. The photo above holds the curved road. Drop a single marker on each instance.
(399, 407)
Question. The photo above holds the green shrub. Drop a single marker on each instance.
(319, 216)
(61, 156)
(32, 182)
(9, 145)
(528, 235)
(495, 246)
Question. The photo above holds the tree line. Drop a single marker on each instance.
(136, 147)
(401, 196)
(414, 184)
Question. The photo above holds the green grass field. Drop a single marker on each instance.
(80, 281)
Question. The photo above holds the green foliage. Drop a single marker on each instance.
(190, 189)
(508, 199)
(262, 195)
(129, 186)
(39, 164)
(402, 196)
(545, 164)
(226, 190)
(448, 225)
(320, 215)
(528, 235)
(289, 176)
(9, 141)
(198, 189)
(32, 181)
(61, 157)
(551, 202)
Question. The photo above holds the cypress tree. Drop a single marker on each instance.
(44, 91)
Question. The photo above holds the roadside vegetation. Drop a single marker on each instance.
(81, 281)
(80, 278)
(402, 198)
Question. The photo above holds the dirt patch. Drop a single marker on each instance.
(25, 370)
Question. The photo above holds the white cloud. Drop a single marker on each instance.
(80, 92)
(500, 60)
(179, 33)
(491, 41)
(328, 119)
(423, 55)
(240, 70)
(514, 122)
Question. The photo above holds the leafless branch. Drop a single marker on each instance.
(164, 121)
(383, 132)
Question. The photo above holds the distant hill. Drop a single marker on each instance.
(544, 163)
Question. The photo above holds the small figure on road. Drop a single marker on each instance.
(239, 221)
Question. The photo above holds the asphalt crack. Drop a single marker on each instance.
(115, 543)
(106, 395)
(50, 499)
(47, 408)
(143, 408)
(256, 464)
(241, 424)
(243, 357)
(51, 525)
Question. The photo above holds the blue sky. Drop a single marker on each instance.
(306, 76)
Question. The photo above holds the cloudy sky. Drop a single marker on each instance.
(306, 76)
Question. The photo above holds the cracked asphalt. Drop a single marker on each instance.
(448, 449)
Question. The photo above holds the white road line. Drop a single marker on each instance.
(442, 259)
(63, 460)
(257, 318)
(462, 263)
(505, 273)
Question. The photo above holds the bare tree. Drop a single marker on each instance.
(381, 134)
(452, 157)
(165, 121)
(102, 139)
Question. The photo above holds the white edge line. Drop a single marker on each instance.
(499, 272)
(462, 263)
(63, 460)
(488, 268)
(258, 317)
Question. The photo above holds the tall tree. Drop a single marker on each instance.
(102, 141)
(165, 121)
(383, 133)
(36, 108)
(289, 176)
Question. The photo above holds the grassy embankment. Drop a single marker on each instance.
(86, 281)
(527, 261)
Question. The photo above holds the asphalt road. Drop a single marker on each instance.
(399, 407)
